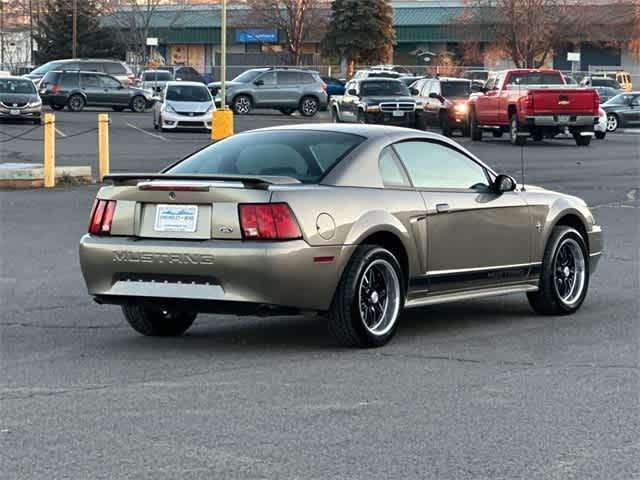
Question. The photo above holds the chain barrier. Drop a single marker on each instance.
(21, 136)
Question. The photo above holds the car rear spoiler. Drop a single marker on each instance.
(253, 181)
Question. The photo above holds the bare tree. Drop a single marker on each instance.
(296, 19)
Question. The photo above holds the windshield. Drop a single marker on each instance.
(42, 69)
(248, 76)
(536, 78)
(455, 89)
(17, 86)
(188, 93)
(381, 89)
(156, 76)
(304, 155)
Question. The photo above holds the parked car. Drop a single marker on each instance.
(182, 73)
(154, 80)
(283, 89)
(600, 82)
(443, 103)
(77, 89)
(606, 93)
(362, 74)
(374, 100)
(623, 110)
(620, 76)
(525, 103)
(183, 105)
(115, 68)
(19, 99)
(356, 222)
(600, 128)
(335, 86)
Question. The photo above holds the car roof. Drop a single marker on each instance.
(368, 130)
(454, 79)
(380, 79)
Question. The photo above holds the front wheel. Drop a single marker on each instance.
(564, 278)
(361, 117)
(242, 105)
(368, 300)
(309, 106)
(158, 322)
(76, 103)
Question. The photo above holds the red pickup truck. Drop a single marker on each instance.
(533, 103)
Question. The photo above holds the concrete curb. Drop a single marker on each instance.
(31, 175)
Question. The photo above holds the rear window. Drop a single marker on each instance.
(47, 67)
(156, 76)
(10, 85)
(115, 68)
(536, 78)
(304, 155)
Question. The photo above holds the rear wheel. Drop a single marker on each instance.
(564, 278)
(514, 130)
(582, 140)
(368, 300)
(309, 106)
(158, 322)
(76, 103)
(474, 129)
(612, 122)
(600, 135)
(242, 105)
(138, 104)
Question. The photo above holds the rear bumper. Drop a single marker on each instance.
(572, 120)
(273, 273)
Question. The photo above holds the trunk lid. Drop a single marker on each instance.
(550, 101)
(189, 207)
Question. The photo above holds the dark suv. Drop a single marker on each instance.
(115, 68)
(281, 89)
(442, 102)
(75, 90)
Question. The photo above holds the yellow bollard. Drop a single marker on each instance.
(49, 150)
(103, 145)
(221, 124)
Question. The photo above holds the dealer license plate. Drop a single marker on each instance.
(563, 118)
(14, 112)
(176, 218)
(398, 113)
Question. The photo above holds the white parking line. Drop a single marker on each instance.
(60, 132)
(148, 133)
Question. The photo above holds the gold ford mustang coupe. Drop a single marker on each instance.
(356, 222)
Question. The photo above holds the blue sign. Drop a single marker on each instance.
(257, 35)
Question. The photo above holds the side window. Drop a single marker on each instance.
(89, 80)
(433, 165)
(69, 80)
(108, 82)
(114, 68)
(636, 101)
(435, 87)
(390, 171)
(491, 81)
(289, 78)
(91, 67)
(425, 89)
(268, 79)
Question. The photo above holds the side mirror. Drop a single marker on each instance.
(503, 183)
(120, 87)
(351, 91)
(414, 91)
(258, 83)
(434, 95)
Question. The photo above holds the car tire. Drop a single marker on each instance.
(565, 257)
(138, 104)
(335, 117)
(287, 111)
(309, 106)
(357, 317)
(242, 105)
(613, 122)
(157, 322)
(56, 107)
(514, 129)
(600, 135)
(76, 103)
(160, 127)
(361, 117)
(474, 129)
(497, 133)
(582, 141)
(465, 131)
(117, 109)
(537, 136)
(445, 124)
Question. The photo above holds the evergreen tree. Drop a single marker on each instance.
(360, 31)
(55, 32)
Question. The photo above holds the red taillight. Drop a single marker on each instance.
(268, 221)
(56, 88)
(131, 77)
(596, 104)
(102, 217)
(323, 87)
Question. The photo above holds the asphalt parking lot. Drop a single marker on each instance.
(484, 389)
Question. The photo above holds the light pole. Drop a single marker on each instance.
(74, 29)
(223, 59)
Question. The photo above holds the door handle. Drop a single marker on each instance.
(442, 207)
